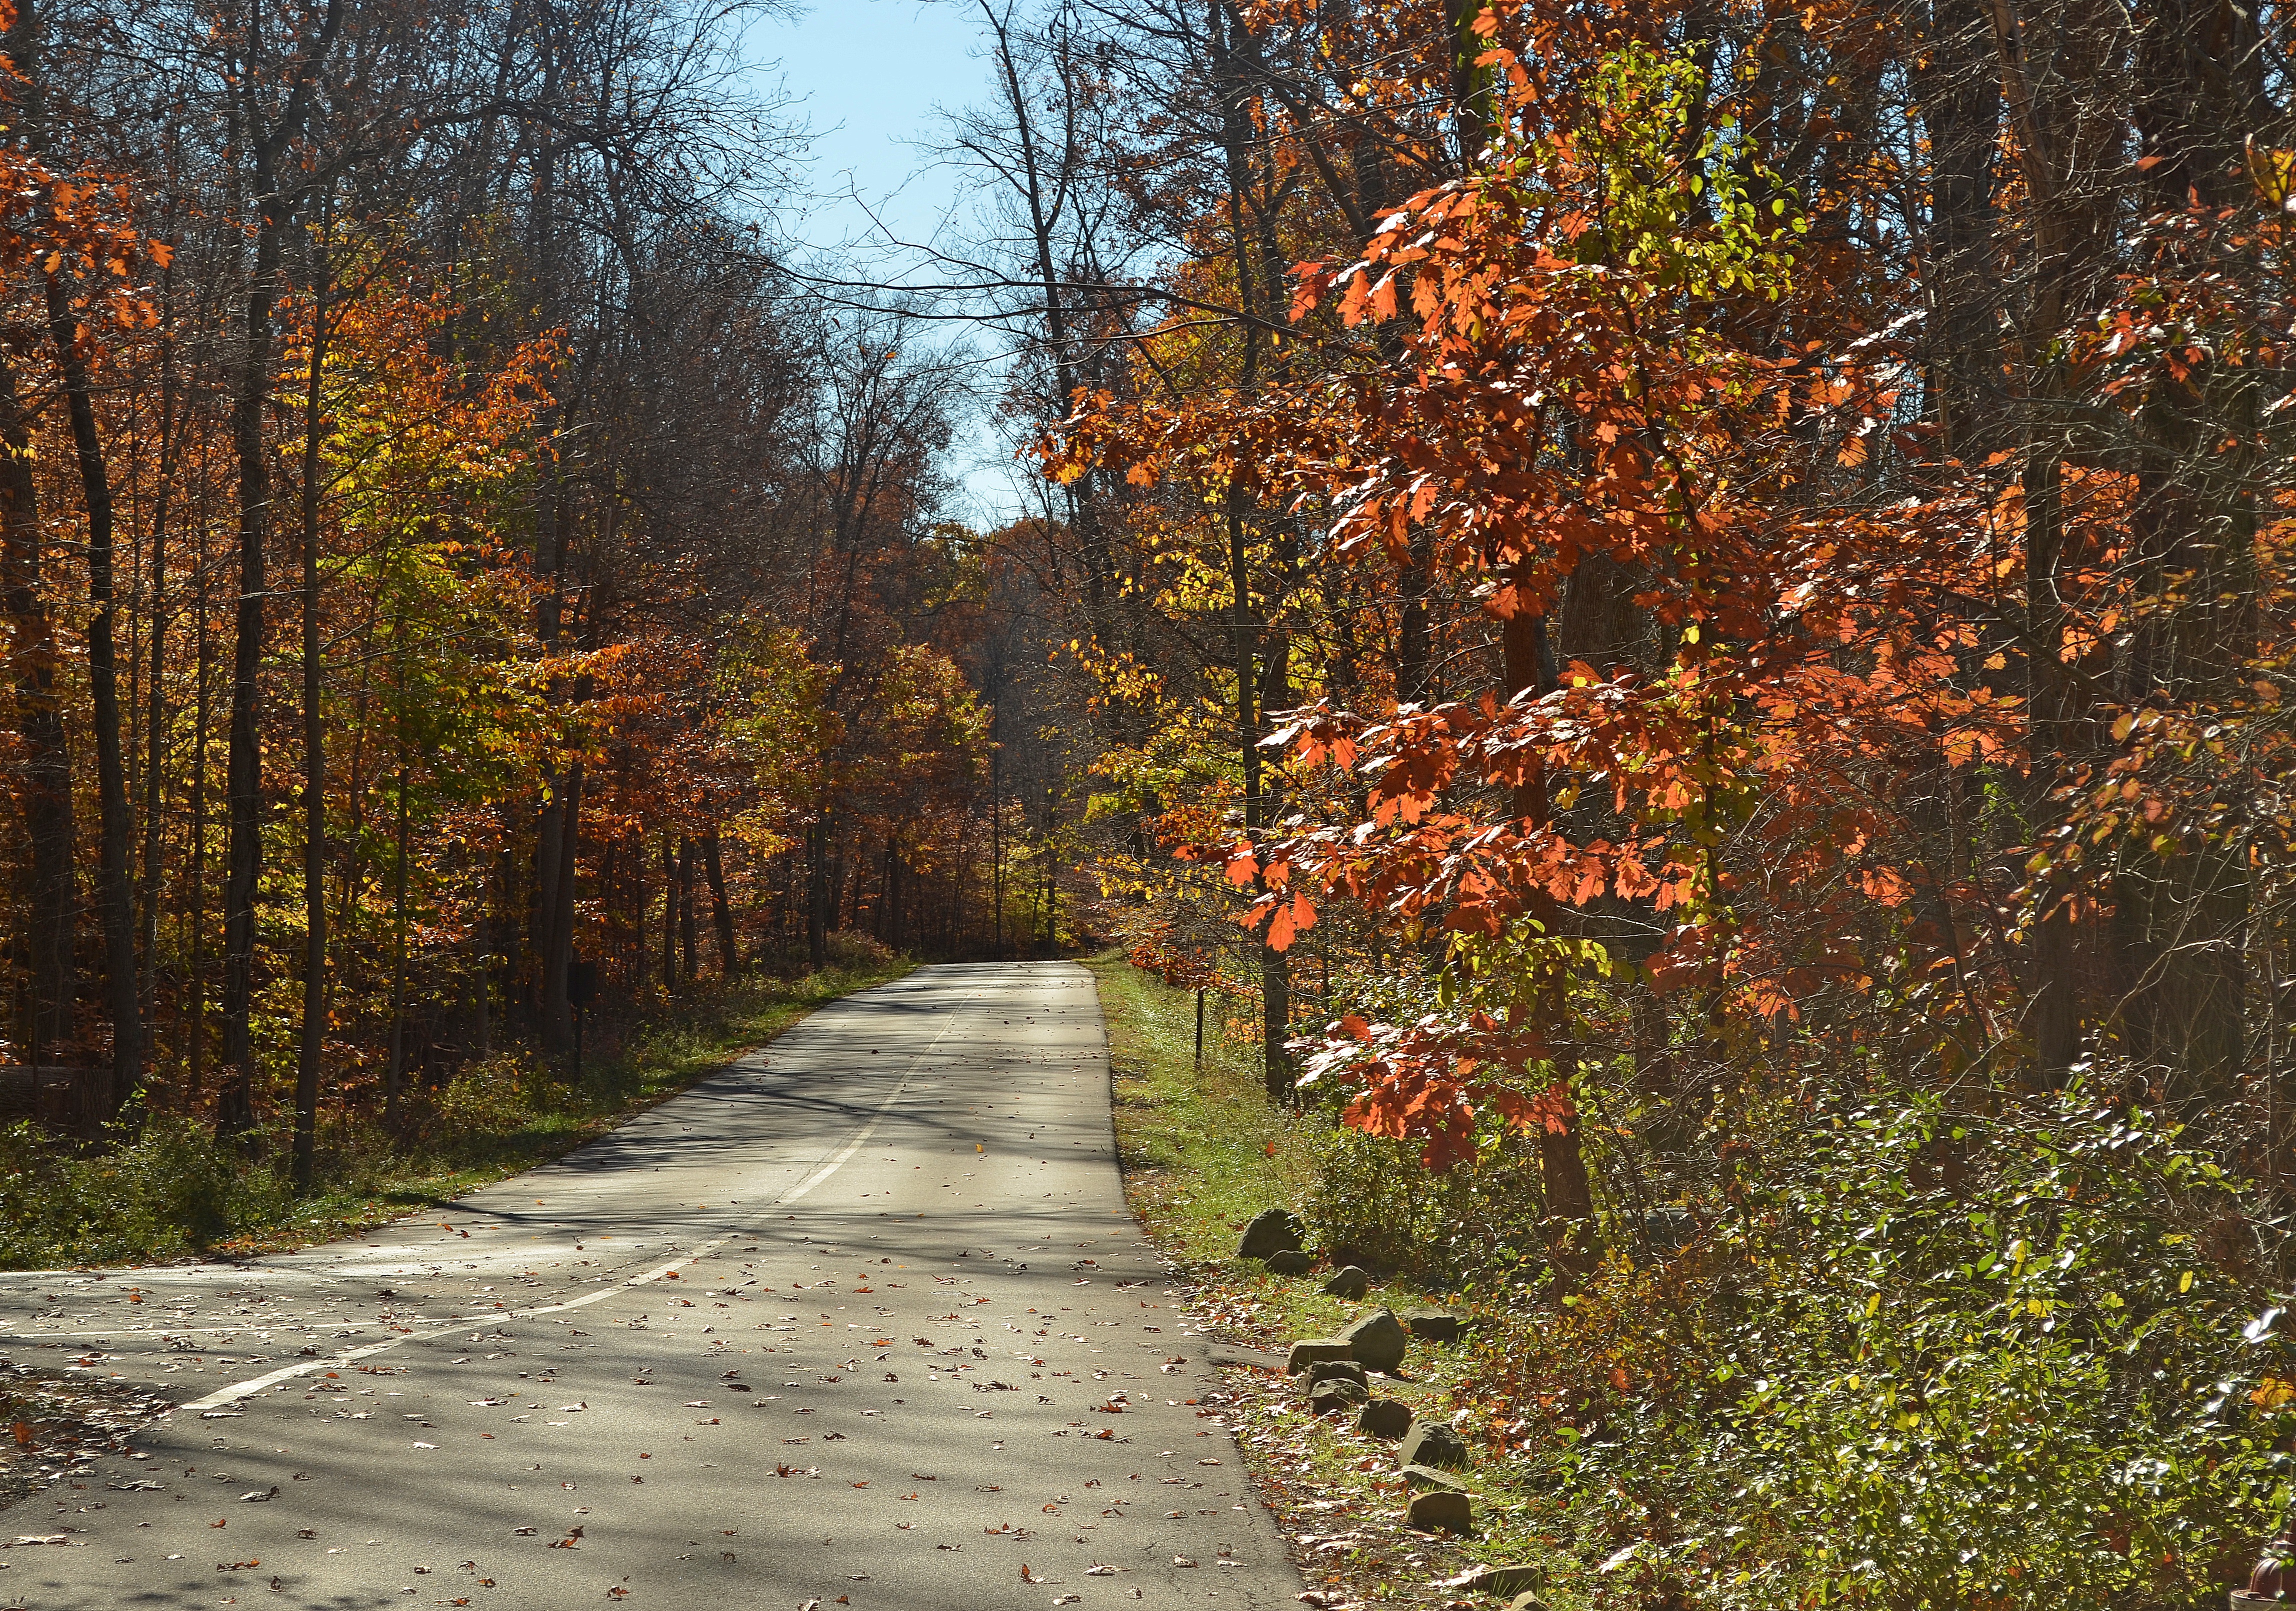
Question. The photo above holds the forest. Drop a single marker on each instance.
(1678, 611)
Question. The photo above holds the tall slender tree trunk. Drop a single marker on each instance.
(817, 894)
(155, 750)
(669, 917)
(115, 829)
(714, 862)
(558, 961)
(687, 936)
(1527, 663)
(196, 907)
(313, 1035)
(103, 1093)
(243, 760)
(266, 141)
(395, 1075)
(44, 788)
(2059, 62)
(1236, 136)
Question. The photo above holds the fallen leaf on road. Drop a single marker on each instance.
(259, 1498)
(1182, 1560)
(45, 1538)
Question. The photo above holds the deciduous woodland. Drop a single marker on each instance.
(1682, 609)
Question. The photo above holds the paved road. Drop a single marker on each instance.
(861, 1320)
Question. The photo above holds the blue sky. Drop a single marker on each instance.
(865, 76)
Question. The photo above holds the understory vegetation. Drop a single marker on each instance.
(171, 1190)
(1888, 1354)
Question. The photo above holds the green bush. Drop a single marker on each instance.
(1374, 1201)
(2026, 1360)
(171, 1191)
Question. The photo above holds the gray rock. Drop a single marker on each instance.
(1378, 1341)
(1433, 1443)
(1528, 1601)
(1276, 1231)
(1385, 1418)
(1349, 1283)
(1499, 1580)
(1307, 1351)
(1416, 1477)
(1441, 1510)
(1434, 1324)
(1290, 1261)
(1323, 1369)
(1336, 1392)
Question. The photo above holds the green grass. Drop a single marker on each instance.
(1203, 1150)
(173, 1193)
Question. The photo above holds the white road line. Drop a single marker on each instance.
(253, 1385)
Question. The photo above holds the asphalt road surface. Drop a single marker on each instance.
(860, 1321)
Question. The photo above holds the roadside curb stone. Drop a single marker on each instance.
(1501, 1580)
(1378, 1341)
(1442, 1511)
(1435, 1325)
(1272, 1231)
(1384, 1418)
(1433, 1443)
(1307, 1351)
(1427, 1477)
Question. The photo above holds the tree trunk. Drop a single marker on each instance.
(2058, 64)
(669, 917)
(102, 1094)
(817, 894)
(196, 916)
(267, 147)
(688, 937)
(728, 955)
(313, 1030)
(558, 960)
(43, 789)
(1568, 1192)
(395, 1077)
(115, 896)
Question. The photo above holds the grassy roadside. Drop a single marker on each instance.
(1204, 1151)
(175, 1193)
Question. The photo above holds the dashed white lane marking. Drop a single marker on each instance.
(254, 1384)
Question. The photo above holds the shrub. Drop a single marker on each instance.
(2045, 1383)
(1376, 1204)
(171, 1191)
